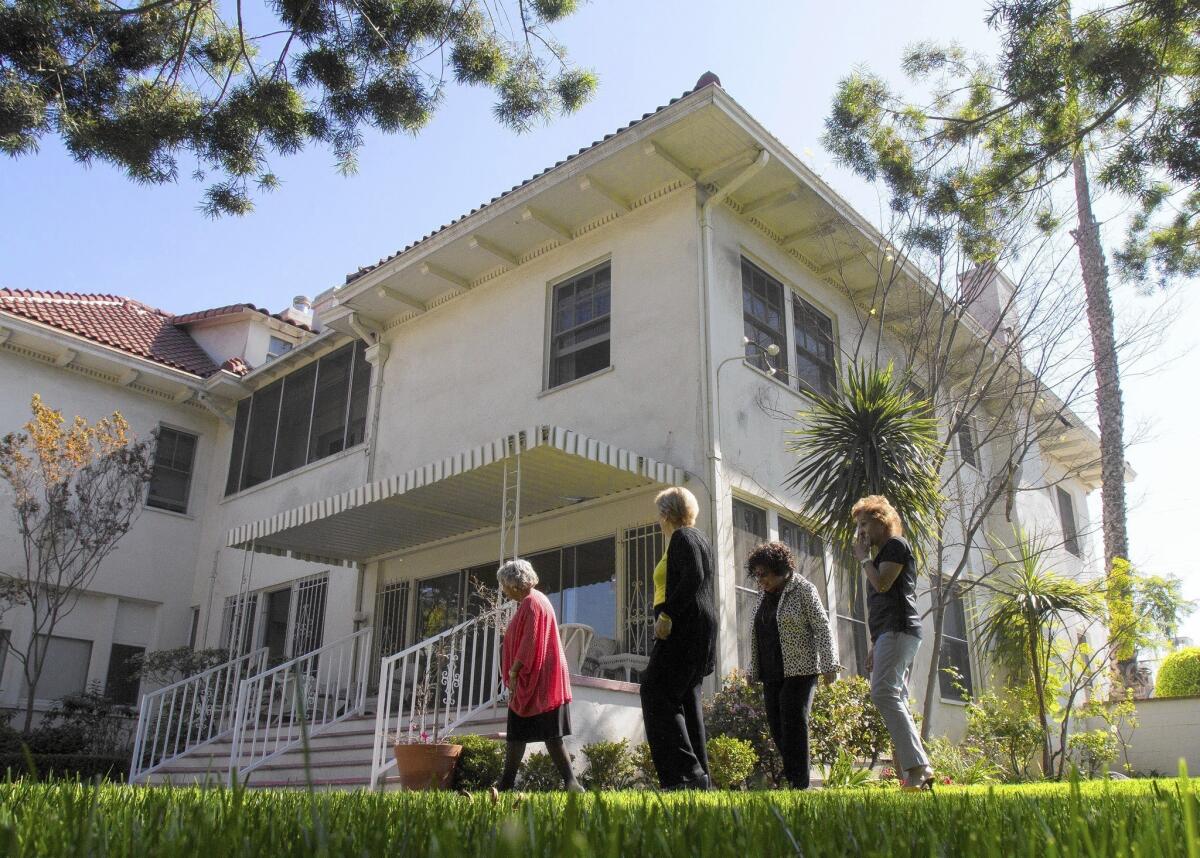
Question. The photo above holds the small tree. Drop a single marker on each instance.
(77, 490)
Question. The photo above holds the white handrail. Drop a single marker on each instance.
(432, 687)
(306, 694)
(184, 715)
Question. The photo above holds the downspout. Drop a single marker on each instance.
(377, 355)
(713, 443)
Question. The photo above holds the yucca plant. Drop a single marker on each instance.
(1029, 604)
(871, 436)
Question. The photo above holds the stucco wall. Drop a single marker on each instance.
(1168, 729)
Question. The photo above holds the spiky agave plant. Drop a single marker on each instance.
(871, 436)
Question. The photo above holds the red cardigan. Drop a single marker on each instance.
(544, 682)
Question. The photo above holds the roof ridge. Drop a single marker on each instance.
(706, 80)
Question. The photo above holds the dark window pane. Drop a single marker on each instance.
(580, 326)
(1066, 514)
(439, 603)
(121, 685)
(592, 597)
(174, 454)
(966, 444)
(234, 481)
(291, 449)
(749, 531)
(260, 440)
(814, 347)
(954, 658)
(809, 552)
(548, 566)
(762, 312)
(360, 389)
(329, 409)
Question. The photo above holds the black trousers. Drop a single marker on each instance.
(674, 718)
(789, 703)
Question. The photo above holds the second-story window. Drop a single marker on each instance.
(814, 347)
(1066, 514)
(174, 454)
(277, 346)
(580, 326)
(966, 443)
(314, 412)
(763, 317)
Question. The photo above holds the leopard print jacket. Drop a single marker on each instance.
(804, 633)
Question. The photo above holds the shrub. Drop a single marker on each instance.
(730, 761)
(960, 763)
(85, 767)
(1095, 749)
(737, 710)
(1005, 731)
(845, 719)
(609, 765)
(539, 774)
(842, 774)
(1179, 675)
(643, 764)
(480, 764)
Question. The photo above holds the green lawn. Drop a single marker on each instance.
(1142, 818)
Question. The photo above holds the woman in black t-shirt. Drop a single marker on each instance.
(891, 582)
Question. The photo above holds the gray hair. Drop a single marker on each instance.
(518, 574)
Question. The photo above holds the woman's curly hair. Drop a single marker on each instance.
(774, 557)
(877, 508)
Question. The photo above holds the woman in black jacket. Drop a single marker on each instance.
(685, 632)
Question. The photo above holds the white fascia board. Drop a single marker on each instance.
(55, 339)
(523, 196)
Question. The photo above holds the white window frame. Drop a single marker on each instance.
(1059, 493)
(966, 641)
(187, 494)
(790, 291)
(548, 351)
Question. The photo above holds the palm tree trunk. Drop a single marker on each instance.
(1032, 630)
(1108, 381)
(1109, 406)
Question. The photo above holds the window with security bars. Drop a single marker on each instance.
(749, 531)
(171, 480)
(954, 657)
(308, 621)
(809, 551)
(643, 550)
(1066, 515)
(815, 366)
(309, 414)
(391, 623)
(580, 326)
(237, 623)
(763, 317)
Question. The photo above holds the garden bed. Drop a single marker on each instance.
(1088, 819)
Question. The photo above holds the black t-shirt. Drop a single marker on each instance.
(766, 630)
(896, 609)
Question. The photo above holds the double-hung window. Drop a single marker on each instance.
(771, 315)
(174, 455)
(580, 326)
(954, 659)
(966, 443)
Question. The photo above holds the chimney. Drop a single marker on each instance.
(300, 312)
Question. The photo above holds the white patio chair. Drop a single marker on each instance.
(576, 640)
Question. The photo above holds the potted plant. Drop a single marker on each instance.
(423, 760)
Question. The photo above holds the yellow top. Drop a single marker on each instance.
(660, 581)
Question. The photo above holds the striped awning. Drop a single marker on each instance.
(455, 496)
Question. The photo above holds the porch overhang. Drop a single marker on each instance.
(453, 497)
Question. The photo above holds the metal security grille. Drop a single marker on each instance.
(643, 550)
(391, 623)
(308, 621)
(237, 623)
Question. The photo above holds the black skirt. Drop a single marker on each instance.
(538, 728)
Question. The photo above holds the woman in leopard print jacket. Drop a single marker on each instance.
(791, 645)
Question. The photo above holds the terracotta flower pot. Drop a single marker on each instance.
(425, 766)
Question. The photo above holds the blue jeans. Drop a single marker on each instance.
(893, 658)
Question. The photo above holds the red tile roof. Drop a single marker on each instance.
(707, 79)
(197, 316)
(123, 324)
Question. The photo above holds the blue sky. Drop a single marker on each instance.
(66, 227)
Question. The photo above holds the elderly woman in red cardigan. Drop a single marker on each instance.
(535, 671)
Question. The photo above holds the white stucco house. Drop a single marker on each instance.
(527, 376)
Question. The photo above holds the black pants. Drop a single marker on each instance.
(789, 702)
(674, 718)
